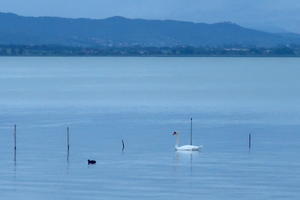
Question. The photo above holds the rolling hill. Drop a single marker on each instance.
(122, 32)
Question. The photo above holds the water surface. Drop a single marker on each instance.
(142, 100)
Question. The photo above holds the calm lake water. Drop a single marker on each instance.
(142, 100)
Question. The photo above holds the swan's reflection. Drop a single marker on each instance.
(185, 155)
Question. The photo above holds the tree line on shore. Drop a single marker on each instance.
(54, 50)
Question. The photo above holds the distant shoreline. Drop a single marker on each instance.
(152, 56)
(139, 51)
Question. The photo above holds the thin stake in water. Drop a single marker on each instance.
(15, 142)
(250, 141)
(123, 145)
(15, 137)
(68, 142)
(68, 138)
(191, 142)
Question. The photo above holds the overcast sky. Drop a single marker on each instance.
(263, 14)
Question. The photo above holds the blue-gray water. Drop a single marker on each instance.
(142, 100)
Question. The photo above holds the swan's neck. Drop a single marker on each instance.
(177, 140)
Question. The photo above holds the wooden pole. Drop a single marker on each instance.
(15, 142)
(68, 142)
(250, 141)
(15, 137)
(123, 145)
(68, 138)
(191, 142)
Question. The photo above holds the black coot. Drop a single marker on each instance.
(91, 162)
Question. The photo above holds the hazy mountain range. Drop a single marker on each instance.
(119, 31)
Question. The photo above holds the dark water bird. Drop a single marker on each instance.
(91, 162)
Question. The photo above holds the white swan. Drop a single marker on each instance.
(184, 147)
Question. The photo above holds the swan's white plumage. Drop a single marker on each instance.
(185, 147)
(188, 148)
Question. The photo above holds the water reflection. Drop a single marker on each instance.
(183, 156)
(68, 155)
(15, 156)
